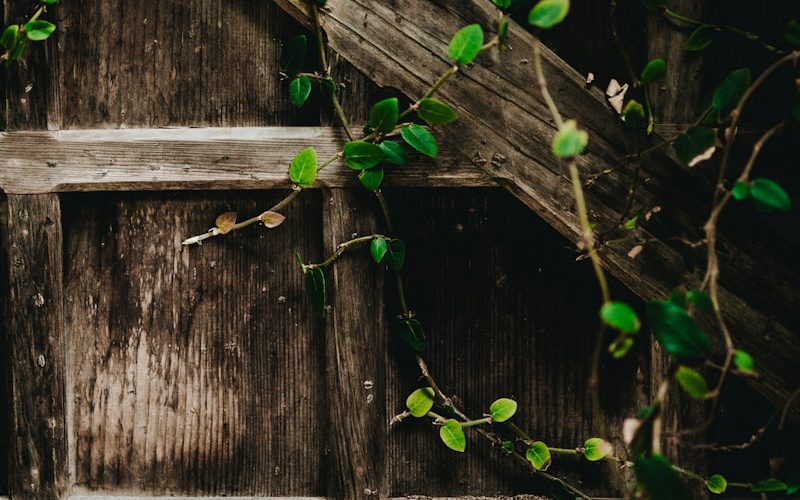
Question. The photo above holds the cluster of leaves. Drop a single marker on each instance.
(15, 37)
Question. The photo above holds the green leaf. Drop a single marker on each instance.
(420, 139)
(49, 2)
(19, 48)
(678, 297)
(502, 32)
(677, 332)
(769, 485)
(436, 112)
(569, 141)
(621, 316)
(378, 249)
(728, 93)
(740, 191)
(327, 86)
(9, 37)
(315, 288)
(508, 447)
(691, 146)
(656, 476)
(770, 195)
(359, 155)
(538, 455)
(503, 409)
(466, 44)
(717, 484)
(299, 90)
(692, 382)
(303, 169)
(700, 39)
(394, 153)
(633, 114)
(548, 13)
(293, 57)
(792, 33)
(453, 435)
(410, 330)
(420, 402)
(595, 449)
(654, 70)
(502, 4)
(396, 254)
(744, 362)
(620, 347)
(383, 116)
(371, 178)
(700, 299)
(39, 30)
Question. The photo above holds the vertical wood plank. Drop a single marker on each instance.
(37, 346)
(356, 354)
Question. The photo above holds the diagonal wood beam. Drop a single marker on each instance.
(506, 129)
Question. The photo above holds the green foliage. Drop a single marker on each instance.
(717, 484)
(769, 195)
(621, 316)
(503, 409)
(792, 33)
(700, 299)
(371, 178)
(700, 38)
(393, 153)
(633, 115)
(595, 449)
(570, 141)
(436, 112)
(693, 144)
(359, 155)
(9, 37)
(741, 191)
(383, 116)
(502, 4)
(620, 347)
(539, 455)
(769, 486)
(420, 139)
(410, 330)
(466, 44)
(293, 57)
(452, 435)
(396, 254)
(692, 382)
(420, 402)
(508, 447)
(728, 93)
(315, 288)
(303, 169)
(548, 13)
(39, 30)
(502, 32)
(655, 475)
(378, 249)
(744, 362)
(677, 332)
(49, 2)
(299, 90)
(654, 70)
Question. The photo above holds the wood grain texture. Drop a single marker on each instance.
(197, 158)
(404, 45)
(37, 345)
(5, 360)
(195, 371)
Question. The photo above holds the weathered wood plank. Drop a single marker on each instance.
(194, 371)
(5, 362)
(37, 347)
(356, 354)
(403, 44)
(197, 158)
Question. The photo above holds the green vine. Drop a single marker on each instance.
(15, 37)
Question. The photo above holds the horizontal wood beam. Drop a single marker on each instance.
(506, 129)
(197, 158)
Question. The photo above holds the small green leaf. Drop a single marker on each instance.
(692, 382)
(620, 347)
(359, 155)
(19, 48)
(436, 112)
(383, 116)
(410, 330)
(502, 32)
(717, 484)
(792, 33)
(728, 93)
(654, 70)
(655, 475)
(420, 139)
(466, 44)
(678, 297)
(677, 332)
(39, 30)
(700, 38)
(769, 485)
(453, 435)
(299, 90)
(327, 86)
(49, 2)
(548, 13)
(420, 402)
(503, 409)
(595, 449)
(508, 447)
(378, 249)
(632, 222)
(502, 4)
(770, 195)
(633, 114)
(371, 178)
(538, 455)
(293, 56)
(315, 288)
(621, 316)
(744, 362)
(740, 191)
(570, 141)
(396, 254)
(303, 169)
(394, 153)
(694, 144)
(9, 37)
(700, 299)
